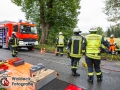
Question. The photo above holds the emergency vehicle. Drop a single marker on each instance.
(25, 31)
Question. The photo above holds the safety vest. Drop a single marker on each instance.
(111, 41)
(60, 41)
(76, 46)
(14, 42)
(93, 46)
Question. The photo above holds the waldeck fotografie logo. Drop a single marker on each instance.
(4, 82)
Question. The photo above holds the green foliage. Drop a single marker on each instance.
(108, 33)
(108, 56)
(99, 30)
(112, 10)
(51, 16)
(114, 30)
(64, 14)
(49, 48)
(115, 33)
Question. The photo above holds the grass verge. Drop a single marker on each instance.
(51, 48)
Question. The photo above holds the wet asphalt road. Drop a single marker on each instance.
(111, 77)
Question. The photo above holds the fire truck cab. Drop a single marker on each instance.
(25, 31)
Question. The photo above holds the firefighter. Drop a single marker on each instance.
(14, 44)
(60, 43)
(75, 46)
(92, 44)
(112, 45)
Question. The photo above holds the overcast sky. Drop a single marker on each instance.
(91, 14)
(9, 11)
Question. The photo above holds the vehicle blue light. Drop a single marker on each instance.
(20, 20)
(33, 23)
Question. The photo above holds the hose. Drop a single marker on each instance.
(110, 69)
(103, 64)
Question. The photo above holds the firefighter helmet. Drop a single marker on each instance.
(77, 30)
(13, 32)
(60, 33)
(93, 30)
(111, 35)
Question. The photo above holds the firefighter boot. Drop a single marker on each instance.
(14, 55)
(61, 55)
(68, 55)
(56, 54)
(99, 78)
(16, 52)
(90, 79)
(74, 73)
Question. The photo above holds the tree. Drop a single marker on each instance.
(108, 32)
(99, 30)
(112, 10)
(112, 30)
(118, 30)
(115, 33)
(51, 15)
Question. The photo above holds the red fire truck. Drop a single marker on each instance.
(25, 31)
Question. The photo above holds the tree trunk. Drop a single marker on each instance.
(45, 28)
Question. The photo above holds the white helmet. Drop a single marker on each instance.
(76, 30)
(13, 32)
(112, 35)
(93, 30)
(80, 33)
(60, 33)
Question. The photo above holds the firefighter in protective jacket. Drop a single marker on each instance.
(14, 44)
(75, 46)
(60, 42)
(92, 46)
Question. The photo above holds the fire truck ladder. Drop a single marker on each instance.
(2, 37)
(3, 32)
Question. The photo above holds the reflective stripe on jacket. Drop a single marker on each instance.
(93, 46)
(14, 42)
(76, 45)
(60, 42)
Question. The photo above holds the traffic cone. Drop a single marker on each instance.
(55, 51)
(41, 51)
(44, 50)
(33, 49)
(57, 74)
